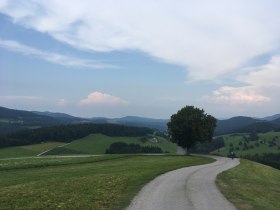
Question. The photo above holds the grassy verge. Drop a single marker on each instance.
(107, 182)
(251, 186)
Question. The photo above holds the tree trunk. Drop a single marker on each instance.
(181, 150)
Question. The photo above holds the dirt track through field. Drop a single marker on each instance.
(190, 188)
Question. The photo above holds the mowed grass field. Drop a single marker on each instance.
(98, 143)
(263, 144)
(29, 150)
(251, 186)
(104, 182)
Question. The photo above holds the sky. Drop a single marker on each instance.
(109, 58)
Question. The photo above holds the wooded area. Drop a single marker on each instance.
(67, 133)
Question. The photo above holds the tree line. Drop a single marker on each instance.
(68, 133)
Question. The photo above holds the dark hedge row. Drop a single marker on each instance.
(124, 148)
(269, 159)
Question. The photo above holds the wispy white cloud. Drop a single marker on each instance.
(14, 46)
(267, 75)
(209, 38)
(102, 98)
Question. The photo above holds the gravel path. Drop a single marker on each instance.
(190, 188)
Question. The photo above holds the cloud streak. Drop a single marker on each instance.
(15, 46)
(62, 102)
(210, 39)
(20, 98)
(102, 98)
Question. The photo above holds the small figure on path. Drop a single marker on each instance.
(232, 154)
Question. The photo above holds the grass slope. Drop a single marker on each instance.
(251, 186)
(30, 150)
(98, 143)
(262, 148)
(105, 182)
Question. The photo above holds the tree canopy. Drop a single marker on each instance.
(191, 125)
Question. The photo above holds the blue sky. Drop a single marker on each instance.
(92, 58)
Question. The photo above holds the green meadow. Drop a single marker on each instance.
(103, 182)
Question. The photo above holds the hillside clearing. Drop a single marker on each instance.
(98, 143)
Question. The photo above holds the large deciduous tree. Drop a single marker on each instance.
(191, 125)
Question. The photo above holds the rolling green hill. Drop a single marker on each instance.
(265, 143)
(98, 143)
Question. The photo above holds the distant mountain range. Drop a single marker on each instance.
(159, 124)
(60, 117)
(13, 120)
(247, 125)
(270, 118)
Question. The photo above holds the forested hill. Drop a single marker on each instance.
(277, 121)
(226, 126)
(62, 117)
(67, 133)
(24, 117)
(246, 125)
(13, 120)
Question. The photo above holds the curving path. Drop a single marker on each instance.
(190, 188)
